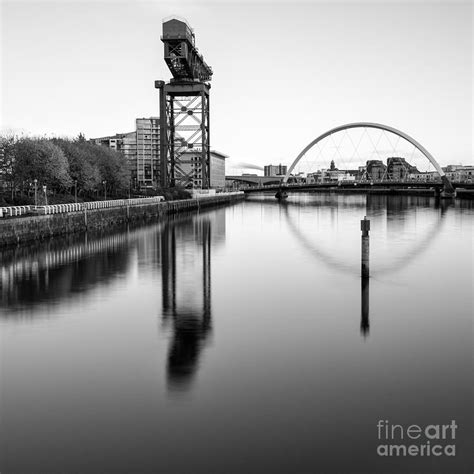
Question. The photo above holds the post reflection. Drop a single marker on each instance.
(364, 314)
(391, 213)
(186, 293)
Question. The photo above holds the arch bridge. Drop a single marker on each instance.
(447, 187)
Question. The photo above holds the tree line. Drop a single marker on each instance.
(60, 168)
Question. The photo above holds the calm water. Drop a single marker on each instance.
(240, 340)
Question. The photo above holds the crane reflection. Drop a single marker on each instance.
(186, 292)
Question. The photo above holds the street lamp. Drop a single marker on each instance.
(105, 189)
(36, 192)
(45, 195)
(75, 191)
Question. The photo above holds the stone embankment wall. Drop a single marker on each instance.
(26, 229)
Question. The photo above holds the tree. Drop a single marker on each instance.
(82, 167)
(7, 158)
(41, 160)
(57, 166)
(59, 163)
(113, 168)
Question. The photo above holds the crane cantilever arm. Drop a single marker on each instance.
(181, 54)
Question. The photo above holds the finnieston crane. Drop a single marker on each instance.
(181, 54)
(184, 109)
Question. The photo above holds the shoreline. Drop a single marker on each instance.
(461, 193)
(15, 231)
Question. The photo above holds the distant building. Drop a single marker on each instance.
(217, 170)
(272, 170)
(298, 178)
(125, 143)
(112, 141)
(426, 176)
(331, 175)
(148, 150)
(191, 166)
(142, 150)
(398, 169)
(129, 149)
(375, 170)
(460, 173)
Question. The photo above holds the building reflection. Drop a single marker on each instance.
(60, 269)
(186, 292)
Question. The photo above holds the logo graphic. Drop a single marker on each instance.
(416, 440)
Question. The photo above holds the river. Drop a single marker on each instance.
(241, 340)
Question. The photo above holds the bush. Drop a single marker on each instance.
(174, 194)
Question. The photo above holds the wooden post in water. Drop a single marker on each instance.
(365, 227)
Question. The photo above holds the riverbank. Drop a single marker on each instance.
(461, 193)
(39, 227)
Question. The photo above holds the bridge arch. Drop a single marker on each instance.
(379, 126)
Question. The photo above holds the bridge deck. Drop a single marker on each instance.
(362, 187)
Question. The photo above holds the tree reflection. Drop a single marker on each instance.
(61, 268)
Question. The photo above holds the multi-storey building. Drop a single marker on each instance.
(142, 150)
(191, 166)
(375, 170)
(398, 169)
(148, 151)
(112, 141)
(272, 170)
(460, 173)
(129, 149)
(125, 143)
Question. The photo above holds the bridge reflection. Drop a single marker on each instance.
(393, 210)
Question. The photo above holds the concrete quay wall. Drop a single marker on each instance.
(38, 227)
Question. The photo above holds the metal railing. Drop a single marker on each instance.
(13, 211)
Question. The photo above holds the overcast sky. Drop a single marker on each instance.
(284, 72)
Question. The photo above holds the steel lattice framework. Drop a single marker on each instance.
(448, 187)
(184, 110)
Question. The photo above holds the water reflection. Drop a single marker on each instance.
(392, 211)
(364, 299)
(124, 378)
(45, 273)
(393, 215)
(50, 273)
(186, 295)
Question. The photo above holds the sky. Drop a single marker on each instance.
(284, 72)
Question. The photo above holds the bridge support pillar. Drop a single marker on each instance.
(448, 189)
(365, 227)
(281, 194)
